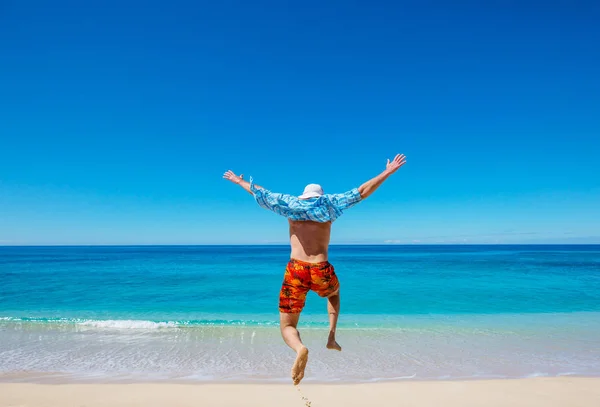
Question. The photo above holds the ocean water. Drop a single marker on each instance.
(195, 313)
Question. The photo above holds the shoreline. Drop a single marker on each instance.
(474, 347)
(63, 379)
(547, 392)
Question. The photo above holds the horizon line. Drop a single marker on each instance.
(288, 245)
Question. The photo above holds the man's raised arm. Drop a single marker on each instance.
(371, 185)
(276, 202)
(229, 175)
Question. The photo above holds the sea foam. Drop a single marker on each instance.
(129, 324)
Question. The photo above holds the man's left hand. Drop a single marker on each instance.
(233, 178)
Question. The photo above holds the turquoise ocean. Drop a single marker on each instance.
(198, 313)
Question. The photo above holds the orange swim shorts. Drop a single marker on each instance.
(300, 277)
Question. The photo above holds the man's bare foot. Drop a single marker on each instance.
(332, 344)
(299, 365)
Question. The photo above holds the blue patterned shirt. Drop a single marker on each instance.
(326, 208)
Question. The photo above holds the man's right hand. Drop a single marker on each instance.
(393, 166)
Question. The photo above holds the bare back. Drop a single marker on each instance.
(310, 240)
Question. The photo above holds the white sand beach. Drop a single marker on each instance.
(542, 392)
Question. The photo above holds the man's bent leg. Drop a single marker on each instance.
(333, 309)
(291, 336)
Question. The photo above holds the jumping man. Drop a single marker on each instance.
(310, 216)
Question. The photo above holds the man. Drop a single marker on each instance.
(310, 217)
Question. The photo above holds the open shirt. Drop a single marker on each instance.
(325, 208)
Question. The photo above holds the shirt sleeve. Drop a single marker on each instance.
(346, 200)
(272, 201)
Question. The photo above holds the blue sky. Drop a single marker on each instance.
(118, 119)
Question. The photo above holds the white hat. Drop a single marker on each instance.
(312, 191)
